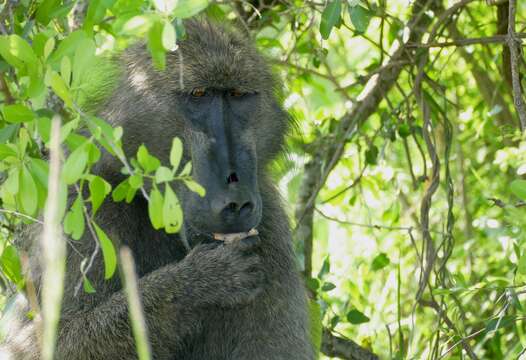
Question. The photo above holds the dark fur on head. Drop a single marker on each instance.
(236, 301)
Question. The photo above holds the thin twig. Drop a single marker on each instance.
(85, 269)
(496, 39)
(347, 188)
(434, 305)
(19, 214)
(374, 226)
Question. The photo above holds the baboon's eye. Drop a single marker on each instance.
(198, 92)
(236, 93)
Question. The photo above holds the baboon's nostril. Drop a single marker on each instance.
(232, 207)
(232, 178)
(246, 209)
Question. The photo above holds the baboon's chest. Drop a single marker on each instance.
(156, 251)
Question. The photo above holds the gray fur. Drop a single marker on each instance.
(216, 302)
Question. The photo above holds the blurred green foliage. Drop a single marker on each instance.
(443, 144)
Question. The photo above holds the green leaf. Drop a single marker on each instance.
(380, 261)
(11, 265)
(65, 70)
(7, 151)
(195, 187)
(38, 43)
(117, 133)
(48, 47)
(189, 8)
(17, 113)
(36, 87)
(75, 165)
(176, 153)
(93, 153)
(120, 192)
(316, 327)
(518, 188)
(108, 252)
(131, 194)
(360, 17)
(88, 287)
(52, 9)
(74, 222)
(7, 132)
(325, 268)
(99, 189)
(172, 213)
(356, 317)
(313, 284)
(12, 184)
(27, 194)
(155, 209)
(330, 17)
(168, 36)
(180, 31)
(163, 174)
(98, 124)
(155, 45)
(83, 60)
(23, 140)
(335, 321)
(148, 162)
(328, 286)
(187, 169)
(371, 155)
(404, 130)
(60, 88)
(500, 322)
(68, 46)
(18, 53)
(100, 127)
(139, 25)
(135, 181)
(96, 11)
(521, 267)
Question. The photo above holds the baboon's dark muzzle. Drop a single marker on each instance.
(225, 164)
(232, 202)
(236, 209)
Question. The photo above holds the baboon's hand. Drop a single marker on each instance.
(225, 274)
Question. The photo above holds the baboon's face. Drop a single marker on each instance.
(217, 95)
(221, 138)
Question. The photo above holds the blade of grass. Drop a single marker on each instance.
(53, 250)
(140, 332)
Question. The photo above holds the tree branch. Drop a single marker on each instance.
(487, 87)
(336, 346)
(513, 43)
(496, 39)
(331, 149)
(366, 105)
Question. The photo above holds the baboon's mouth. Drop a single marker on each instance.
(232, 237)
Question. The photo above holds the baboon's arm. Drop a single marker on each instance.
(173, 298)
(104, 332)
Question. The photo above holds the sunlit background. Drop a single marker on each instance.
(368, 243)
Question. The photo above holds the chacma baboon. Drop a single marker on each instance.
(242, 300)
